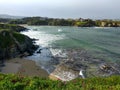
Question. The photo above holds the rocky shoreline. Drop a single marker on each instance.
(13, 44)
(79, 59)
(13, 47)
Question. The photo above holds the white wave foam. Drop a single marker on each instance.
(58, 53)
(44, 39)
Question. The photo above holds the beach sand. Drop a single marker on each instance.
(23, 67)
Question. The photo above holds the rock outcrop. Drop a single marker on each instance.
(13, 44)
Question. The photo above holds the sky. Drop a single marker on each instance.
(94, 9)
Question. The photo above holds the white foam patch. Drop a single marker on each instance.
(58, 53)
(42, 59)
(44, 39)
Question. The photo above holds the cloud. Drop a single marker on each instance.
(62, 8)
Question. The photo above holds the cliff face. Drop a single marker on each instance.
(13, 44)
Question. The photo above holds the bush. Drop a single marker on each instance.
(16, 82)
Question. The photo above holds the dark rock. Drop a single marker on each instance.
(105, 67)
(35, 47)
(33, 39)
(80, 59)
(109, 68)
(14, 47)
(24, 54)
(39, 51)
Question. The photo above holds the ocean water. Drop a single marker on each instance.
(100, 42)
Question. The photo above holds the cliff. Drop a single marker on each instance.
(13, 44)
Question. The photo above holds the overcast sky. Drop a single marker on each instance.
(95, 9)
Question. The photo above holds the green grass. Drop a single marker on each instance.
(12, 27)
(5, 41)
(20, 37)
(17, 82)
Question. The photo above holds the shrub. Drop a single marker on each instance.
(15, 82)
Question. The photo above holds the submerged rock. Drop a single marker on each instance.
(105, 67)
(108, 69)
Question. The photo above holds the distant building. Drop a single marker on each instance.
(103, 24)
(81, 19)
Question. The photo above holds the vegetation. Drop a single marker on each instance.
(3, 20)
(5, 39)
(17, 82)
(6, 30)
(12, 43)
(12, 27)
(63, 22)
(66, 22)
(19, 37)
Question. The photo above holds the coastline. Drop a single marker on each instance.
(23, 67)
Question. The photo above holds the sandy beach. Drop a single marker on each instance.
(23, 67)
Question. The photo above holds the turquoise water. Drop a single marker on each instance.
(100, 42)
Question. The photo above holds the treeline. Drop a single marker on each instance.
(63, 22)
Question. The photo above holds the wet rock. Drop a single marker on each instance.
(109, 69)
(24, 55)
(79, 59)
(54, 61)
(105, 67)
(34, 40)
(39, 51)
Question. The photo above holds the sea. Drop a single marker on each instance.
(53, 41)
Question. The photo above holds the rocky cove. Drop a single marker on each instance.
(68, 63)
(61, 63)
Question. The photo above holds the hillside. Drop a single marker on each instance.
(6, 16)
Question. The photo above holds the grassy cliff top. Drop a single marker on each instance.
(12, 27)
(17, 82)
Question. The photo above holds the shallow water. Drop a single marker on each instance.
(103, 43)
